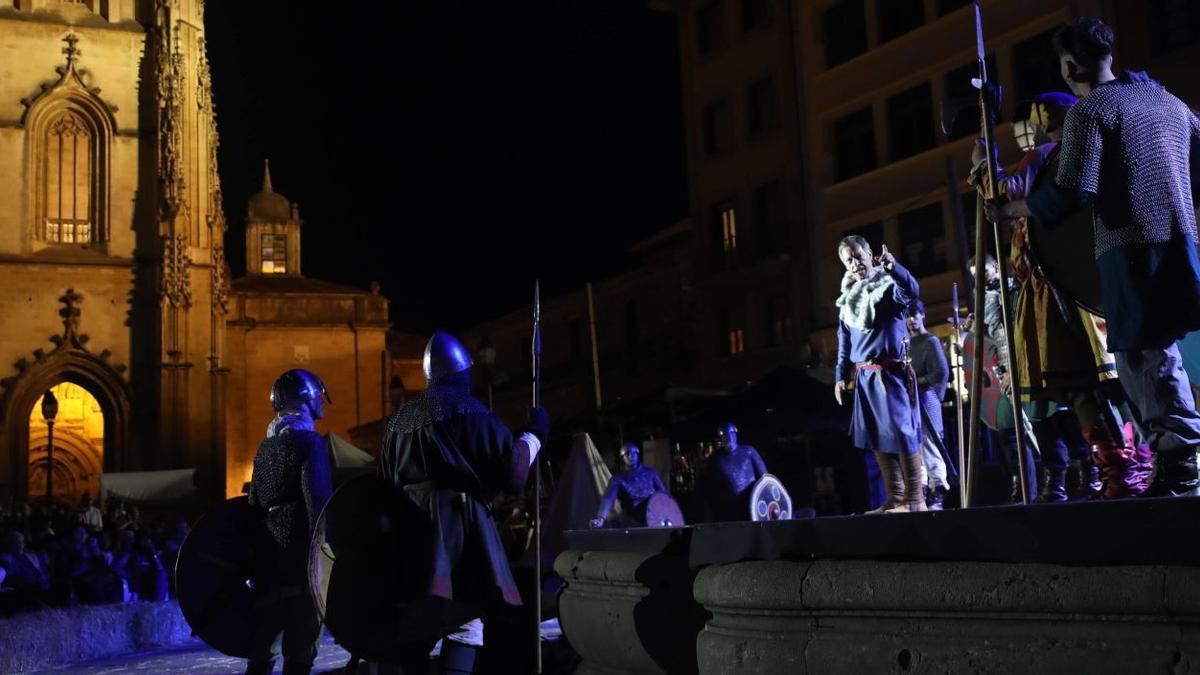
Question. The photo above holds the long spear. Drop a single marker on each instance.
(988, 193)
(536, 367)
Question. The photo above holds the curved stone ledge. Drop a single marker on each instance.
(629, 612)
(836, 616)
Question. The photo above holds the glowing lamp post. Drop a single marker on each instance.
(49, 412)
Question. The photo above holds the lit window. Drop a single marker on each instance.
(733, 332)
(729, 229)
(68, 181)
(274, 254)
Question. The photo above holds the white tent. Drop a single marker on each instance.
(348, 460)
(149, 487)
(576, 497)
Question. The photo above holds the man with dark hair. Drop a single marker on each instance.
(1061, 350)
(870, 362)
(1131, 149)
(933, 375)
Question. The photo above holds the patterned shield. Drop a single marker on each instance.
(214, 575)
(769, 500)
(663, 511)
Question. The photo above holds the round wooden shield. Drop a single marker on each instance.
(215, 581)
(769, 500)
(1066, 251)
(369, 569)
(663, 511)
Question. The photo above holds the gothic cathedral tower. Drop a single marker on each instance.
(113, 284)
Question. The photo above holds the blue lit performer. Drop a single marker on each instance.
(290, 484)
(449, 454)
(633, 486)
(731, 474)
(871, 335)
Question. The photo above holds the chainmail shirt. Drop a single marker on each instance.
(1128, 142)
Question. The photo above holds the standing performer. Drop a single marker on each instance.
(1061, 352)
(290, 484)
(633, 486)
(730, 475)
(994, 323)
(871, 337)
(933, 375)
(1129, 148)
(449, 454)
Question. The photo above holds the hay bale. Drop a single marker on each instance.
(52, 637)
(159, 624)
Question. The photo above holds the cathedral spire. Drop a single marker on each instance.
(266, 187)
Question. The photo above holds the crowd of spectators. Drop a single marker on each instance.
(53, 555)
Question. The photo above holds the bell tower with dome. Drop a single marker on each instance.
(272, 231)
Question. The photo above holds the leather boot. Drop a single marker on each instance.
(1054, 485)
(1124, 469)
(893, 481)
(1176, 474)
(935, 499)
(1085, 480)
(912, 469)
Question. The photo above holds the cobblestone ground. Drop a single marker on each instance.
(195, 659)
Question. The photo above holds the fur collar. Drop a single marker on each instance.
(856, 305)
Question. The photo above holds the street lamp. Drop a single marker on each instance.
(487, 357)
(49, 412)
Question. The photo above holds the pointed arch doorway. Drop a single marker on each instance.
(68, 464)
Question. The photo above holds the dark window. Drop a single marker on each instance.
(710, 29)
(761, 113)
(910, 121)
(718, 128)
(944, 7)
(755, 14)
(854, 144)
(779, 321)
(725, 231)
(923, 240)
(845, 31)
(733, 332)
(897, 17)
(872, 232)
(962, 98)
(768, 225)
(1035, 66)
(575, 334)
(1174, 24)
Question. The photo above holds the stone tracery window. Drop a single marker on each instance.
(68, 185)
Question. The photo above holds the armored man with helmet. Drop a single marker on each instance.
(450, 455)
(290, 485)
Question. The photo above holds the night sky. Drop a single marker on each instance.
(453, 151)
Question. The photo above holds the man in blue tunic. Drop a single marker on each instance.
(1131, 150)
(633, 487)
(730, 476)
(871, 335)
